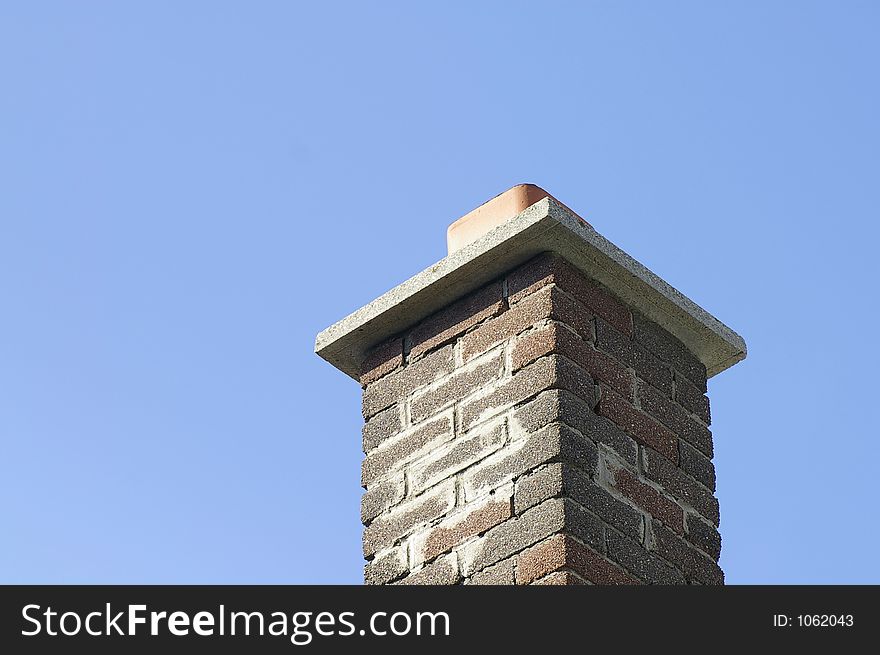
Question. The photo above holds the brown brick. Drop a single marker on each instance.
(647, 366)
(506, 325)
(560, 578)
(388, 528)
(551, 372)
(497, 574)
(457, 455)
(381, 426)
(386, 567)
(595, 568)
(555, 338)
(638, 425)
(584, 525)
(548, 303)
(442, 572)
(458, 385)
(514, 535)
(648, 498)
(668, 348)
(704, 536)
(535, 274)
(536, 487)
(578, 487)
(680, 485)
(452, 321)
(675, 418)
(646, 566)
(553, 442)
(541, 559)
(561, 551)
(395, 386)
(694, 564)
(381, 496)
(402, 448)
(691, 398)
(602, 367)
(552, 269)
(567, 310)
(456, 529)
(564, 407)
(533, 345)
(696, 464)
(381, 360)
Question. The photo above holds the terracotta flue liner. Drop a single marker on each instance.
(491, 214)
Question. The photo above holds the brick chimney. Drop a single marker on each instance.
(535, 411)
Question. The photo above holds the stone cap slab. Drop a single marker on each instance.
(545, 226)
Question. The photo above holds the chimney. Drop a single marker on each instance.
(535, 411)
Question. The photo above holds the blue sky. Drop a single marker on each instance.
(191, 191)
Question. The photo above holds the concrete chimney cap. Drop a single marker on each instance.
(490, 241)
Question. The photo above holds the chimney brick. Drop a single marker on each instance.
(538, 428)
(561, 552)
(643, 428)
(629, 353)
(561, 578)
(506, 444)
(498, 574)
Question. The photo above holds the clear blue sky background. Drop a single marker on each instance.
(190, 191)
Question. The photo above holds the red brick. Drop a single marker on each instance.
(552, 269)
(541, 559)
(562, 552)
(448, 323)
(516, 534)
(640, 426)
(534, 345)
(649, 499)
(381, 360)
(595, 568)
